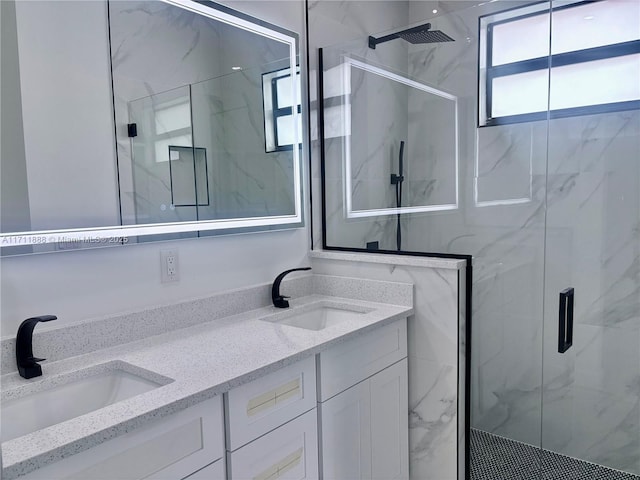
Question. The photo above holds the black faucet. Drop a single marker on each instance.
(28, 364)
(279, 300)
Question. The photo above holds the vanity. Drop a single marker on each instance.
(318, 390)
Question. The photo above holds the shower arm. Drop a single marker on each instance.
(375, 41)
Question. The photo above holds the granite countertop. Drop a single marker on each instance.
(192, 364)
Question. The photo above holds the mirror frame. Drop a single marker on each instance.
(118, 234)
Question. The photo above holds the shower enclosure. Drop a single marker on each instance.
(521, 143)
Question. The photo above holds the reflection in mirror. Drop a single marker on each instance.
(198, 149)
(278, 114)
(412, 141)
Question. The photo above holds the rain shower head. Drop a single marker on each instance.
(415, 35)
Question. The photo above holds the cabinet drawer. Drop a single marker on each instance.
(290, 452)
(215, 471)
(260, 406)
(167, 449)
(351, 362)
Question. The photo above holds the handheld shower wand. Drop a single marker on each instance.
(398, 180)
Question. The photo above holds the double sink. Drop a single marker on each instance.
(56, 400)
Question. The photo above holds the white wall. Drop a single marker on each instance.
(85, 284)
(91, 283)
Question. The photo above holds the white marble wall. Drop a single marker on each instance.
(436, 411)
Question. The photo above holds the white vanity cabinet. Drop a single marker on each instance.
(339, 415)
(363, 404)
(175, 447)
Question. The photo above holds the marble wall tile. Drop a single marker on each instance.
(433, 412)
(504, 163)
(609, 437)
(431, 150)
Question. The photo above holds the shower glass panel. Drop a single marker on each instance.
(159, 162)
(591, 393)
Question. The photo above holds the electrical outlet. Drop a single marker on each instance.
(169, 266)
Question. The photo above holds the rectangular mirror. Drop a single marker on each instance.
(203, 103)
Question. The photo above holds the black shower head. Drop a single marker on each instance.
(414, 35)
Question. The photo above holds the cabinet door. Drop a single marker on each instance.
(346, 434)
(365, 429)
(390, 423)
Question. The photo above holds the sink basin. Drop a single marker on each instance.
(319, 317)
(42, 409)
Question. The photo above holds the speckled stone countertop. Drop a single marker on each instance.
(192, 364)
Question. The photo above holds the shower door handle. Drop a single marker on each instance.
(565, 320)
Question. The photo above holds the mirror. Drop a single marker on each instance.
(205, 104)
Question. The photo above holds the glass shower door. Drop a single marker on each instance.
(591, 392)
(591, 384)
